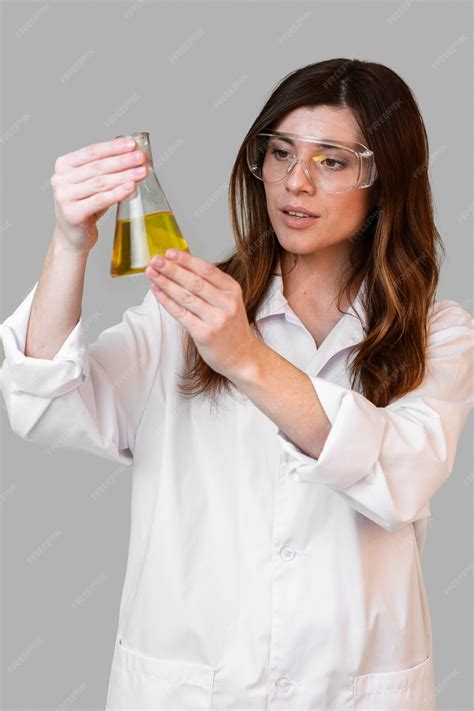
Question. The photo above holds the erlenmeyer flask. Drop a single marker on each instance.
(144, 224)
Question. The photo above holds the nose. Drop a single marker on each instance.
(299, 177)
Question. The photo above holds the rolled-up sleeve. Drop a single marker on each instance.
(39, 376)
(387, 462)
(88, 396)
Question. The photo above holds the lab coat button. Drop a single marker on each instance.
(282, 684)
(287, 553)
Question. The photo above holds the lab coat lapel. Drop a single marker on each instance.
(348, 331)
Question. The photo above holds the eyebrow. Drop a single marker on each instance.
(291, 141)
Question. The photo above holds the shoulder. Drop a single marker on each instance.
(450, 349)
(450, 317)
(448, 380)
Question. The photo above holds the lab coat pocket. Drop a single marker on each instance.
(410, 689)
(139, 681)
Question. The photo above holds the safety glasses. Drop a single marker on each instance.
(330, 165)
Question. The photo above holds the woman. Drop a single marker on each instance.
(274, 557)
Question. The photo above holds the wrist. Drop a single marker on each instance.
(247, 363)
(62, 247)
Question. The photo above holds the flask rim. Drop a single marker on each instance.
(135, 133)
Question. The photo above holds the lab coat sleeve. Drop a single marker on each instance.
(88, 397)
(387, 462)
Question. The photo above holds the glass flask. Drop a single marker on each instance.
(144, 224)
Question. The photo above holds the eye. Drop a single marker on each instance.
(339, 163)
(279, 151)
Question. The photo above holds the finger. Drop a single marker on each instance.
(189, 320)
(108, 165)
(88, 206)
(187, 299)
(191, 282)
(209, 272)
(78, 191)
(94, 152)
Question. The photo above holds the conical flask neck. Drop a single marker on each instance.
(142, 140)
(148, 197)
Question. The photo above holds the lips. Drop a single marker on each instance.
(295, 222)
(298, 208)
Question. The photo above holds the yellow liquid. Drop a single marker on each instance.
(159, 231)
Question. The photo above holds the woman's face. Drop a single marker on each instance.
(340, 214)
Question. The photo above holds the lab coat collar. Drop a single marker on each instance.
(348, 331)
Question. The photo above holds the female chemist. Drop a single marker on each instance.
(288, 412)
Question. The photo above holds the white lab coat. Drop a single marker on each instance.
(258, 577)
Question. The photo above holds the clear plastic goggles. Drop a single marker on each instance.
(332, 166)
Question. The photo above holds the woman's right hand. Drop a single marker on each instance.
(86, 183)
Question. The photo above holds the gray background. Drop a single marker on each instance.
(195, 75)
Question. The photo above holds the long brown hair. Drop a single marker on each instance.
(394, 248)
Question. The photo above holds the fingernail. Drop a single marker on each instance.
(172, 254)
(158, 261)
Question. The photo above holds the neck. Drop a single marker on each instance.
(312, 282)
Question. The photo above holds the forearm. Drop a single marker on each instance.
(57, 303)
(286, 395)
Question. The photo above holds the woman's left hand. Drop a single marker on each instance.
(208, 302)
